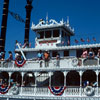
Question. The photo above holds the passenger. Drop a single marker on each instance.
(10, 56)
(58, 60)
(85, 53)
(46, 58)
(17, 55)
(91, 53)
(98, 54)
(3, 56)
(40, 57)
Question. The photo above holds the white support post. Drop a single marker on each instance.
(65, 73)
(80, 72)
(35, 74)
(50, 74)
(9, 77)
(22, 73)
(7, 98)
(97, 73)
(21, 51)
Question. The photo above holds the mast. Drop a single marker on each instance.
(27, 23)
(4, 25)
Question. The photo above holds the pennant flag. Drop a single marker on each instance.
(88, 40)
(4, 89)
(76, 41)
(82, 40)
(57, 90)
(94, 39)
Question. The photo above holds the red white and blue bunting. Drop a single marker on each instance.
(4, 89)
(20, 63)
(57, 90)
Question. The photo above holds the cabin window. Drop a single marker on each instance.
(55, 33)
(47, 34)
(40, 35)
(54, 53)
(66, 53)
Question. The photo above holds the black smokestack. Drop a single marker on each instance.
(27, 23)
(4, 25)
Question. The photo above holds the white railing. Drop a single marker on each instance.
(63, 63)
(44, 91)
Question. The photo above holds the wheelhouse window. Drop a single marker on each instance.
(40, 35)
(54, 53)
(66, 53)
(55, 33)
(47, 34)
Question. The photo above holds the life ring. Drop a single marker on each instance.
(89, 90)
(14, 90)
(74, 61)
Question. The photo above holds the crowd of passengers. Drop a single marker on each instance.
(46, 56)
(90, 53)
(40, 56)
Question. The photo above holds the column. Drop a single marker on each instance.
(65, 74)
(35, 74)
(50, 74)
(22, 73)
(80, 72)
(9, 77)
(97, 73)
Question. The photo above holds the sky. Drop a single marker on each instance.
(84, 16)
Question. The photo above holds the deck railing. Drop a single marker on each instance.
(53, 63)
(69, 91)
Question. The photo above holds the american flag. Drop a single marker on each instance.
(94, 39)
(82, 40)
(76, 41)
(88, 40)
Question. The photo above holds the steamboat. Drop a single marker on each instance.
(54, 69)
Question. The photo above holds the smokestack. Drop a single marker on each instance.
(27, 23)
(4, 25)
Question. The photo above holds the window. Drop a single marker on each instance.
(66, 53)
(40, 35)
(47, 34)
(54, 53)
(55, 33)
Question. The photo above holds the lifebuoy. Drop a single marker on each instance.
(89, 90)
(14, 90)
(74, 61)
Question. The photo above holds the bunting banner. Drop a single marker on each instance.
(4, 89)
(20, 63)
(57, 90)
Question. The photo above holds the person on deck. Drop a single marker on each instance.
(85, 53)
(46, 58)
(10, 56)
(98, 54)
(91, 53)
(58, 60)
(40, 57)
